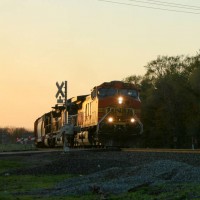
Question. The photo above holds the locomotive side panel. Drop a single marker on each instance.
(87, 115)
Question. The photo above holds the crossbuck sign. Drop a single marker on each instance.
(60, 91)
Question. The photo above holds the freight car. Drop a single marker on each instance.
(108, 116)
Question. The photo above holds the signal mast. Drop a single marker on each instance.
(62, 99)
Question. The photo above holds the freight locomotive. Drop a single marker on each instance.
(108, 116)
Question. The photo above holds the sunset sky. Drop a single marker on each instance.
(85, 42)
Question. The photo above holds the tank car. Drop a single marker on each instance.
(108, 116)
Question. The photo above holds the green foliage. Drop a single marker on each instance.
(11, 184)
(23, 183)
(162, 192)
(9, 164)
(195, 81)
(133, 79)
(170, 94)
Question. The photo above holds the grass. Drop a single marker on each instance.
(6, 165)
(16, 147)
(10, 185)
(170, 191)
(15, 187)
(25, 183)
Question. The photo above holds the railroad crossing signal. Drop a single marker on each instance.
(60, 91)
(61, 94)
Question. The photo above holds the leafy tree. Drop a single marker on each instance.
(133, 79)
(193, 125)
(170, 92)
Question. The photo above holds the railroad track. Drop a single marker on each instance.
(161, 150)
(49, 150)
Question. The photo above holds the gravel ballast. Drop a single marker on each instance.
(114, 172)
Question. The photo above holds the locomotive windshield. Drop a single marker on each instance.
(128, 92)
(105, 92)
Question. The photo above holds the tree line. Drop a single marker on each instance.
(10, 134)
(170, 96)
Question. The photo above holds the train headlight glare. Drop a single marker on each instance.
(132, 120)
(120, 100)
(110, 119)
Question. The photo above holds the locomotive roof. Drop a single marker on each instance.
(117, 84)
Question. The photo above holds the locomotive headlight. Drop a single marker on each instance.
(132, 120)
(110, 119)
(120, 100)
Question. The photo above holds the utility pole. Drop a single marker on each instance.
(65, 147)
(62, 99)
(66, 111)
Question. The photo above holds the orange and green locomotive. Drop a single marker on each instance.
(108, 116)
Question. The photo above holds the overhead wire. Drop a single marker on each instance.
(166, 4)
(178, 4)
(151, 7)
